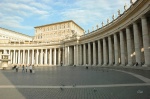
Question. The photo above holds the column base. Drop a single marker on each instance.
(116, 65)
(122, 65)
(104, 65)
(129, 65)
(110, 64)
(145, 65)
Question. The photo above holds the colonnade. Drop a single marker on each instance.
(48, 56)
(126, 47)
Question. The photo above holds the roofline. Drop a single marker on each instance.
(60, 22)
(15, 32)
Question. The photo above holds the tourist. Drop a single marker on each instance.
(61, 63)
(23, 68)
(30, 67)
(33, 69)
(17, 67)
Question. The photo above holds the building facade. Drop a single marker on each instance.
(122, 42)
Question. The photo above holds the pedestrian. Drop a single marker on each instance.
(17, 67)
(26, 68)
(30, 68)
(23, 68)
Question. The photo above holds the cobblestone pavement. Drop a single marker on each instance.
(72, 76)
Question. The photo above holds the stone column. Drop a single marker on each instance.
(19, 56)
(99, 53)
(59, 56)
(66, 56)
(45, 62)
(23, 56)
(37, 56)
(116, 49)
(110, 51)
(11, 57)
(146, 41)
(14, 57)
(41, 57)
(21, 53)
(28, 56)
(122, 47)
(89, 54)
(129, 47)
(84, 53)
(50, 56)
(94, 54)
(137, 43)
(80, 55)
(75, 55)
(104, 52)
(63, 56)
(54, 56)
(32, 56)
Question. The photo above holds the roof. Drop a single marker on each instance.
(59, 23)
(16, 32)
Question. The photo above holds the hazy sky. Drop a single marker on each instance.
(23, 15)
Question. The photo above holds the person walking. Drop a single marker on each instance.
(23, 68)
(17, 67)
(30, 68)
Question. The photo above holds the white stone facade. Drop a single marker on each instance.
(122, 42)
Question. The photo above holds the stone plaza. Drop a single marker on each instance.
(74, 83)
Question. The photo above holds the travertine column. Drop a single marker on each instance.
(75, 55)
(11, 57)
(19, 56)
(146, 41)
(14, 57)
(37, 56)
(122, 47)
(94, 54)
(45, 62)
(63, 55)
(84, 53)
(32, 56)
(89, 54)
(116, 49)
(99, 53)
(41, 56)
(80, 55)
(66, 56)
(129, 47)
(50, 56)
(110, 51)
(104, 52)
(137, 43)
(23, 56)
(54, 56)
(59, 56)
(28, 56)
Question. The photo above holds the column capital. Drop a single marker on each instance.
(143, 17)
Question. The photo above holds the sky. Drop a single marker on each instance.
(23, 15)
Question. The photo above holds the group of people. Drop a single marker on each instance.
(24, 68)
